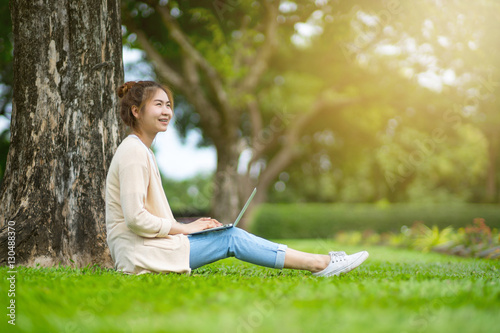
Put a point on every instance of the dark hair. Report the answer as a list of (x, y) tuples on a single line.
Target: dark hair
[(138, 93)]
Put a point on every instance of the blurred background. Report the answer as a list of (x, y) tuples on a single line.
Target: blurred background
[(369, 114)]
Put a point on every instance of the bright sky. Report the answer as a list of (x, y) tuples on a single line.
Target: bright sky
[(179, 161), (175, 160)]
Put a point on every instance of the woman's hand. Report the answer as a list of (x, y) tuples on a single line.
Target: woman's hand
[(198, 225), (202, 224)]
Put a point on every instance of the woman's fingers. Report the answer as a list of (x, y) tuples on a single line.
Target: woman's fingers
[(211, 220), (208, 222), (216, 223)]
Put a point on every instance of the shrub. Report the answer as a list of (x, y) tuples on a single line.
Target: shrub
[(476, 240), (325, 220), (477, 234), (425, 238)]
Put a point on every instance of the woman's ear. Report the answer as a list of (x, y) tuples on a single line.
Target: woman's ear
[(135, 111)]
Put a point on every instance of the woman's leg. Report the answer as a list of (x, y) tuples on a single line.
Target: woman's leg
[(234, 242), (306, 261)]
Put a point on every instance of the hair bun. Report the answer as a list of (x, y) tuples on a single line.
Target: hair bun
[(125, 88)]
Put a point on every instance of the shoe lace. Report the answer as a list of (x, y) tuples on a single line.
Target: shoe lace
[(337, 256)]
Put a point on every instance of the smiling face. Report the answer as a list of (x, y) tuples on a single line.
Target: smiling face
[(155, 115)]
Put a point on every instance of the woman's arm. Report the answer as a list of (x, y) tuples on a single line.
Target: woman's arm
[(134, 180), (198, 225), (133, 183)]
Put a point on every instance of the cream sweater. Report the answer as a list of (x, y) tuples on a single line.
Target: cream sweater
[(138, 216)]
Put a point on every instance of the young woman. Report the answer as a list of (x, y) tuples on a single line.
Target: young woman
[(143, 235)]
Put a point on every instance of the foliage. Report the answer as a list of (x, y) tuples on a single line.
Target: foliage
[(324, 220), (6, 57), (402, 140), (413, 292), (405, 141), (427, 238), (473, 240), (478, 233)]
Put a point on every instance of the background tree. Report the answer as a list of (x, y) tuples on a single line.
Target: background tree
[(217, 55), (341, 108), (64, 129), (423, 69)]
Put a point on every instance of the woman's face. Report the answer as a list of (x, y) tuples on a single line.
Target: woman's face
[(156, 115)]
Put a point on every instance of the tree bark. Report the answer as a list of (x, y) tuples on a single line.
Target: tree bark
[(226, 198), (64, 130)]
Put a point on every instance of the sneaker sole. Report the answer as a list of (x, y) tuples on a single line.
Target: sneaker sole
[(351, 267)]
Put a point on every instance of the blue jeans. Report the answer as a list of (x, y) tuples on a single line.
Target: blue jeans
[(234, 242)]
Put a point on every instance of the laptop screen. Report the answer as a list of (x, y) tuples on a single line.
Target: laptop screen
[(245, 207)]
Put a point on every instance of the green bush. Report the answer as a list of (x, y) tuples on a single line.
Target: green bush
[(324, 220), (475, 240)]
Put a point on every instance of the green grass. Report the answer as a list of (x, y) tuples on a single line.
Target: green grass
[(394, 291)]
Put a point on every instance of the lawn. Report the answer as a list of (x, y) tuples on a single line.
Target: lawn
[(394, 291)]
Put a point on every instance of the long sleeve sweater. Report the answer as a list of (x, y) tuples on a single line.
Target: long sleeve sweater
[(138, 216)]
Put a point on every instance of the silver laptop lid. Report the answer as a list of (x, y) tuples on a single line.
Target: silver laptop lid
[(244, 207)]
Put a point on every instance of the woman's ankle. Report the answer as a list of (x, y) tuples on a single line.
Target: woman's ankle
[(320, 262)]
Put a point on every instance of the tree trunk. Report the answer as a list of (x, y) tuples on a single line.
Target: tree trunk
[(226, 200), (64, 130)]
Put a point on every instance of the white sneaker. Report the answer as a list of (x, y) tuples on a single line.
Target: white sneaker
[(342, 263)]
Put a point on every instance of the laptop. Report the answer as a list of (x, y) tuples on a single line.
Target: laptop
[(227, 226)]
